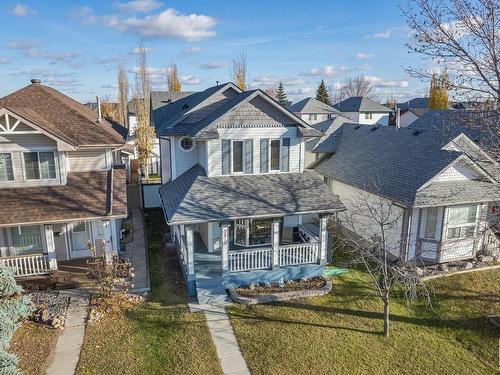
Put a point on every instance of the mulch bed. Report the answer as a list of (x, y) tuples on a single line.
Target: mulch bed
[(289, 286)]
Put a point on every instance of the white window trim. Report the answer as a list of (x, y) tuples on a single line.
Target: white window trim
[(56, 165), (13, 169), (242, 156), (453, 226), (182, 148), (368, 116)]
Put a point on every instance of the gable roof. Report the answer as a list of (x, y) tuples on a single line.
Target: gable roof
[(60, 115), (311, 105), (194, 198), (361, 104), (162, 98), (327, 127), (387, 161), (415, 103), (188, 116)]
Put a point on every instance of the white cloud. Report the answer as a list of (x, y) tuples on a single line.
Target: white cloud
[(272, 81), (189, 80), (31, 50), (21, 44), (4, 60), (304, 91), (142, 6), (113, 86), (364, 56), (191, 50), (214, 65), (84, 14), (386, 34), (137, 50), (167, 24), (328, 71), (21, 10), (379, 82)]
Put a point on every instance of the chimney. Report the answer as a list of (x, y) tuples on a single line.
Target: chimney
[(35, 81), (398, 118), (99, 116)]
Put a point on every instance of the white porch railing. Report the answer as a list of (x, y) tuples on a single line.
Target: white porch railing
[(250, 259), (491, 242), (302, 253), (28, 265)]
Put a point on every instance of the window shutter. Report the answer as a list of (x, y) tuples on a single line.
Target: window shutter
[(248, 162), (226, 156), (285, 155), (264, 155)]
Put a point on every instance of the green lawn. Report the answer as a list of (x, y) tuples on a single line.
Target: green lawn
[(159, 336), (341, 333)]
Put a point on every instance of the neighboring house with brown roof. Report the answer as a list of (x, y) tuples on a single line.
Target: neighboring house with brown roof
[(61, 185)]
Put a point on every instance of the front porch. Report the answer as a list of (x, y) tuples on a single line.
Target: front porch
[(302, 255)]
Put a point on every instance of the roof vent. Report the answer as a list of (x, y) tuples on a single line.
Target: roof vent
[(417, 132), (35, 81), (375, 128), (357, 127), (185, 106)]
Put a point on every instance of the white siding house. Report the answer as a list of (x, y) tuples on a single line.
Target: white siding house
[(364, 111)]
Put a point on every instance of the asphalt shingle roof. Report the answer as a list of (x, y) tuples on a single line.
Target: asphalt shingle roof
[(391, 162), (193, 197), (415, 103), (311, 105), (327, 127), (61, 116), (360, 104)]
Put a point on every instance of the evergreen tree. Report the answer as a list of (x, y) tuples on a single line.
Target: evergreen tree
[(13, 307), (281, 95), (322, 93)]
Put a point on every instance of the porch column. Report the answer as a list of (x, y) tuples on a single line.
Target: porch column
[(275, 241), (190, 249), (108, 246), (225, 246), (51, 247), (323, 238)]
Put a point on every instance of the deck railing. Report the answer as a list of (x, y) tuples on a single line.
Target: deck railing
[(250, 259), (302, 253), (28, 265)]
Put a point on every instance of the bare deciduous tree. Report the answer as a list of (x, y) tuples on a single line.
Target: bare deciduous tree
[(462, 36), (122, 96), (371, 234), (173, 82), (357, 86), (239, 71), (145, 133)]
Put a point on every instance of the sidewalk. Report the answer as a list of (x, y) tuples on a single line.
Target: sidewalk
[(69, 343), (136, 252)]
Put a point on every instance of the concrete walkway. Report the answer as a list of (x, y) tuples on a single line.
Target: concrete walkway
[(69, 343), (136, 252)]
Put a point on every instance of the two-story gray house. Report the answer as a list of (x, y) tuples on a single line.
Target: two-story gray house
[(59, 184), (240, 206)]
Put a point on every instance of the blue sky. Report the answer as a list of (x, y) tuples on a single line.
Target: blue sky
[(78, 46)]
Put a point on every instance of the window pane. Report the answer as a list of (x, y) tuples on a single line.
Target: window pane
[(453, 233), (6, 172), (461, 215), (47, 165), (238, 156), (275, 155), (31, 166), (430, 223), (260, 232), (27, 240)]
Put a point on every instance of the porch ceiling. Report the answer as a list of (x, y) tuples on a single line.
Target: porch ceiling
[(195, 198)]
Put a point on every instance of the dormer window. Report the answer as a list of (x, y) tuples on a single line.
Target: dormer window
[(39, 165), (6, 171), (368, 116), (186, 143)]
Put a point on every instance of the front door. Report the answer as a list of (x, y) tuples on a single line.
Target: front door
[(80, 237)]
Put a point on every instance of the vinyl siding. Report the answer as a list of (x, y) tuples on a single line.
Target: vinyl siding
[(86, 161), (458, 172), (26, 142), (183, 159), (215, 151), (202, 154)]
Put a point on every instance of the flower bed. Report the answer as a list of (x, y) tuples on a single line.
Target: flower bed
[(255, 294)]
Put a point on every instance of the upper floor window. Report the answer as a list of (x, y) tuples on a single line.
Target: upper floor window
[(368, 116), (39, 165), (237, 156), (6, 171), (275, 155), (313, 116), (186, 143)]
